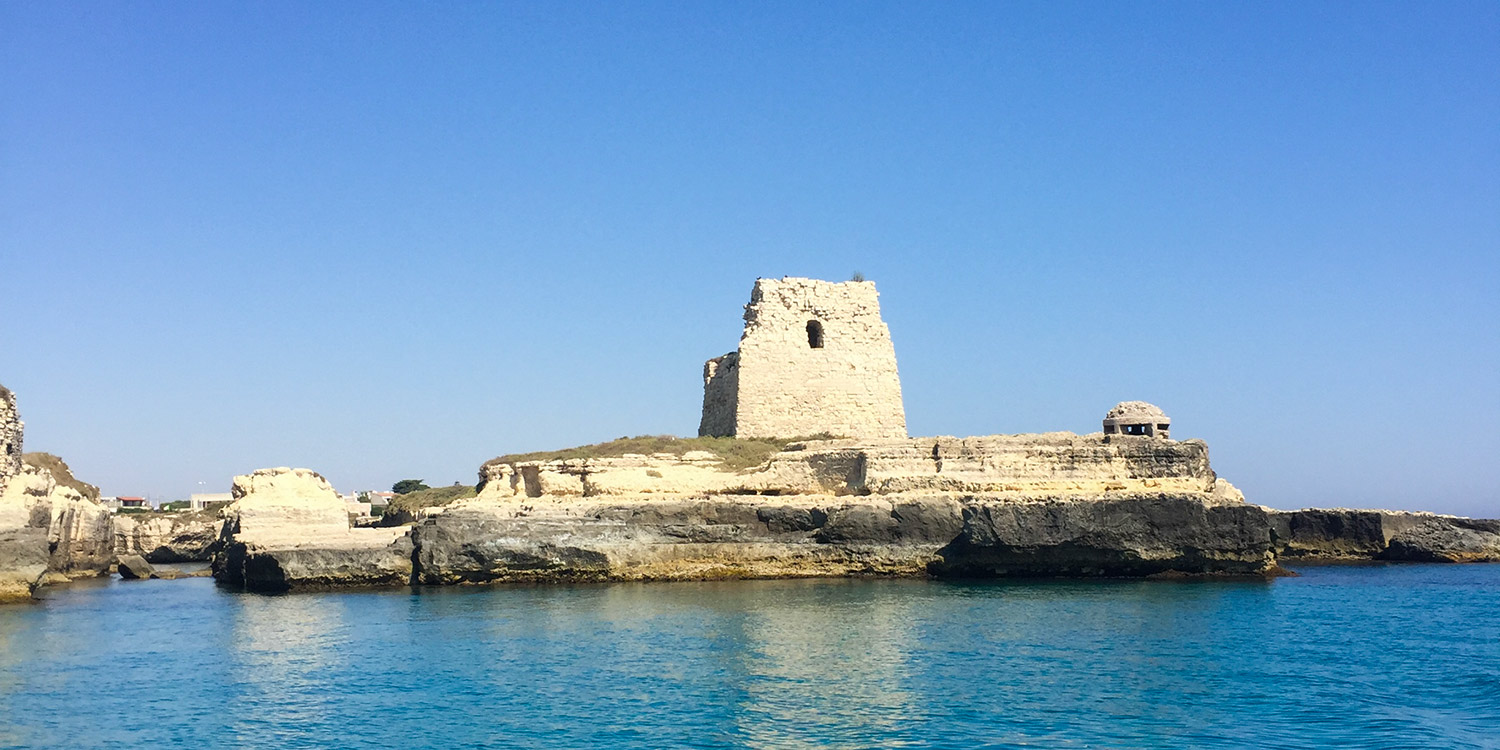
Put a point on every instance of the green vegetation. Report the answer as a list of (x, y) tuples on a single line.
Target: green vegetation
[(407, 486), (429, 497), (60, 473), (176, 505), (737, 454)]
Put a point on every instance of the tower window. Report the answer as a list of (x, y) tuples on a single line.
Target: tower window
[(815, 334)]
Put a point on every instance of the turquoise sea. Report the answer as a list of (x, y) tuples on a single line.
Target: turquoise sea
[(1347, 657)]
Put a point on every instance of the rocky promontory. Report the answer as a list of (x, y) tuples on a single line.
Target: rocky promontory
[(1026, 505), (287, 528), (49, 531)]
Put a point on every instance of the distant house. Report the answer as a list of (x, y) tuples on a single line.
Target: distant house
[(201, 500), (380, 499), (134, 502)]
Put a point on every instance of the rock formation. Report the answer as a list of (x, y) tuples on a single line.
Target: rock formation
[(50, 529), (40, 520), (168, 537), (815, 358), (288, 529), (1035, 505), (134, 567), (1341, 534)]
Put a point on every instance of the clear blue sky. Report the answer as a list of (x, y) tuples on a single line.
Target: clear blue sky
[(395, 240)]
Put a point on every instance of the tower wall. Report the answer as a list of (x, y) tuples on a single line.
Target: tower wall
[(815, 357), (10, 437)]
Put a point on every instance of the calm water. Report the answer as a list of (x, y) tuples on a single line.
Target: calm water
[(1367, 657)]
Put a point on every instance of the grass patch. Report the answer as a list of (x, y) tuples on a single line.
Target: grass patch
[(60, 473), (737, 454), (429, 498)]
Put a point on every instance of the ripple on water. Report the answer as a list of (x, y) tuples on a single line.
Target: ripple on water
[(1368, 657)]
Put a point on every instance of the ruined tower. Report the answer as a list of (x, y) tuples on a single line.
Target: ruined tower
[(815, 357), (10, 437)]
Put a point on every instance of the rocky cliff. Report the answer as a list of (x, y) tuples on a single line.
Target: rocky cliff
[(49, 532), (1020, 505), (1342, 534), (1037, 505), (288, 529), (168, 537)]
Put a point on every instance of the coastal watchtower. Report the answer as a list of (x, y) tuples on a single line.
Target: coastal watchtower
[(815, 357)]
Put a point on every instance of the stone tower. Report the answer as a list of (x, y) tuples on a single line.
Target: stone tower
[(815, 358), (10, 437)]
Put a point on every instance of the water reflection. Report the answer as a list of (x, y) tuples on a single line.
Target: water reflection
[(1367, 658), (281, 653)]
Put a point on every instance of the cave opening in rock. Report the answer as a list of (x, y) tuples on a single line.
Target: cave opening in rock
[(814, 334)]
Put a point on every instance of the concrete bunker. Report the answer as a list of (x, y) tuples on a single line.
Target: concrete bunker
[(1137, 418)]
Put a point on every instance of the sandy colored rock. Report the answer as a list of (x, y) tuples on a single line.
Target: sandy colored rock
[(287, 529), (78, 531), (1018, 466), (168, 537)]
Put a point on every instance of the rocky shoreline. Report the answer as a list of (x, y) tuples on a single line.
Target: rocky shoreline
[(1048, 505), (1087, 506)]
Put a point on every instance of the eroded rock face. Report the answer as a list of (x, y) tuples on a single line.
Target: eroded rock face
[(757, 537), (1338, 533), (287, 529), (168, 537), (73, 535), (1018, 466), (1132, 537), (1447, 539), (1343, 534), (681, 539)]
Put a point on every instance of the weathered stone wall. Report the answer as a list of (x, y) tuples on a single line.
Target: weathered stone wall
[(10, 437), (784, 386), (721, 394)]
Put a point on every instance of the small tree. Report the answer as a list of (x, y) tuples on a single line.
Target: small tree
[(407, 486), (857, 276)]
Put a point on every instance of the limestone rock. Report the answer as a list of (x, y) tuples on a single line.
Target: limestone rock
[(750, 536), (74, 534), (1138, 536), (23, 562), (1020, 466), (284, 507), (135, 567), (168, 537), (1447, 539), (287, 529), (1338, 533), (681, 539)]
